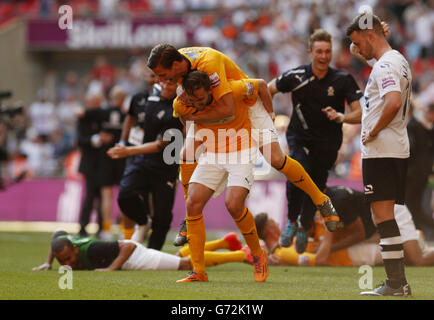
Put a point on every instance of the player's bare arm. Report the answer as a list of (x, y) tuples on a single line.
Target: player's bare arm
[(354, 116), (266, 97), (129, 122), (50, 257), (224, 108), (392, 104), (355, 234), (272, 87), (125, 251), (274, 260), (324, 249), (119, 151)]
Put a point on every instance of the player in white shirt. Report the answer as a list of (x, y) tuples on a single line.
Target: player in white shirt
[(385, 146)]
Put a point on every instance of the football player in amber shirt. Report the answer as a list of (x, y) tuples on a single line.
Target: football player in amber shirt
[(229, 137), (172, 65)]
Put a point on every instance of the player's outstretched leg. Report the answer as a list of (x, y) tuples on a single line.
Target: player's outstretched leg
[(329, 214), (298, 176)]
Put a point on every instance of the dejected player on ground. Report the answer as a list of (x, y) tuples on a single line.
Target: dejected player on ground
[(91, 254)]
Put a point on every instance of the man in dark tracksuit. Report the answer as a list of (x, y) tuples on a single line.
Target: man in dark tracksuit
[(109, 171), (148, 172), (319, 93), (89, 142), (132, 135)]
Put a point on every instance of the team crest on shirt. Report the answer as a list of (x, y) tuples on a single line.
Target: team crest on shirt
[(330, 91), (215, 80), (161, 114)]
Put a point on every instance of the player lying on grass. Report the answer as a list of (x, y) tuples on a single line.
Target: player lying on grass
[(349, 245), (92, 254)]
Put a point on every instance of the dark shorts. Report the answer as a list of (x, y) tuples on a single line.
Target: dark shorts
[(110, 171), (384, 179)]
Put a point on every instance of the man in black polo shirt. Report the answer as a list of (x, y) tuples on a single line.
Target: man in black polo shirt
[(148, 173), (319, 93), (132, 135)]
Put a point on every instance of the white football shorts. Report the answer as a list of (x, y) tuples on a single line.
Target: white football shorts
[(144, 258), (263, 130)]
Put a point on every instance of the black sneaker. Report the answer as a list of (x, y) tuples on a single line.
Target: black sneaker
[(385, 290), (181, 237)]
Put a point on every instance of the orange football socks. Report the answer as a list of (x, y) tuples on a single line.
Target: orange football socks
[(296, 174), (246, 224), (212, 245), (216, 258), (196, 240)]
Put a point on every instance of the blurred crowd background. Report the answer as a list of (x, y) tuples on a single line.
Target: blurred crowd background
[(264, 37)]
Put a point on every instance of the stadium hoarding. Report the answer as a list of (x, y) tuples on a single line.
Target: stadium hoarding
[(87, 34), (59, 200)]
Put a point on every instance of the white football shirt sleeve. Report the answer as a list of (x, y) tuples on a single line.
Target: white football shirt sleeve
[(388, 79)]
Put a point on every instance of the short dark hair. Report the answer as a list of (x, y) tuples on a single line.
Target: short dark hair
[(58, 244), (319, 35), (261, 220), (195, 80), (163, 55), (358, 25)]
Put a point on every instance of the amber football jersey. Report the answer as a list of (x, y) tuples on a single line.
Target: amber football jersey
[(219, 67), (234, 130)]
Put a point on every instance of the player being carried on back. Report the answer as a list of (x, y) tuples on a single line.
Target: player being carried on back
[(172, 65)]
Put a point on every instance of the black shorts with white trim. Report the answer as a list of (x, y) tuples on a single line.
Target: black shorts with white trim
[(384, 179)]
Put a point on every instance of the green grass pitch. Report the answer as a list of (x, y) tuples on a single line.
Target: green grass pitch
[(19, 252)]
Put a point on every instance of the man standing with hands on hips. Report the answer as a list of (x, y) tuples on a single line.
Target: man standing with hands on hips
[(385, 144)]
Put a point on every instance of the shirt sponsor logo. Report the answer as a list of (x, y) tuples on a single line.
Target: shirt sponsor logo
[(386, 82), (330, 91), (215, 80)]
